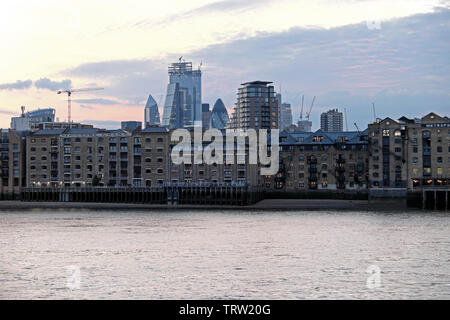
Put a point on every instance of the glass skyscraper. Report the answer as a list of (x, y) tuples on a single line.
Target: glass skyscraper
[(151, 113), (183, 105)]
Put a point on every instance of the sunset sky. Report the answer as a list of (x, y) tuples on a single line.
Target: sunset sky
[(348, 53)]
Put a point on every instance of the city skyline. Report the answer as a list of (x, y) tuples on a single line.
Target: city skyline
[(347, 62)]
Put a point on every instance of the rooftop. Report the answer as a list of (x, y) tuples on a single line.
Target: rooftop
[(256, 83)]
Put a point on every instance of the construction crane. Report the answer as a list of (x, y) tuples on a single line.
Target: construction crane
[(69, 94), (374, 114), (301, 111), (346, 124), (359, 132), (312, 103)]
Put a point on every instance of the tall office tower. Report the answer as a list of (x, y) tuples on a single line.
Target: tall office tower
[(206, 115), (219, 115), (183, 106), (332, 121), (151, 113), (256, 107), (285, 115)]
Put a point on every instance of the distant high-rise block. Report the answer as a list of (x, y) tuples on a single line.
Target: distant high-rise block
[(29, 120), (206, 115), (151, 113), (285, 116), (332, 121), (130, 125), (256, 107), (183, 105), (304, 126)]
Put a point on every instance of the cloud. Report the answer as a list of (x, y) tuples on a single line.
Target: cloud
[(45, 83), (128, 80), (114, 68), (18, 85), (86, 107), (228, 6), (97, 101), (403, 68), (7, 112), (106, 124)]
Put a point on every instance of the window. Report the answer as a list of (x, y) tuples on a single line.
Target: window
[(439, 159), (148, 140), (439, 148), (415, 171), (439, 171), (397, 133), (415, 149), (317, 138), (386, 133), (398, 150), (415, 159), (160, 140)]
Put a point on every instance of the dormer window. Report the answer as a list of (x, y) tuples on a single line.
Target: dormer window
[(317, 139)]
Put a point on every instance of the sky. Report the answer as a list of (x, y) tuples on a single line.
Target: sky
[(347, 53)]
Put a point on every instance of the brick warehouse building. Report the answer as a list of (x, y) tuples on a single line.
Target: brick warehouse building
[(403, 153)]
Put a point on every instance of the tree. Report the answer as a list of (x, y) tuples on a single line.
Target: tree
[(95, 181)]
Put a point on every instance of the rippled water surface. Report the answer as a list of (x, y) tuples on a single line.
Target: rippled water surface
[(223, 255)]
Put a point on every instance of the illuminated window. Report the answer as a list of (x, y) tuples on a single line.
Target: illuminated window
[(317, 138)]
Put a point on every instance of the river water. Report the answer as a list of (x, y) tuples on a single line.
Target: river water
[(73, 254)]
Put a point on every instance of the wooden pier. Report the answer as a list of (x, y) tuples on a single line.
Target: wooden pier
[(436, 198), (220, 195)]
